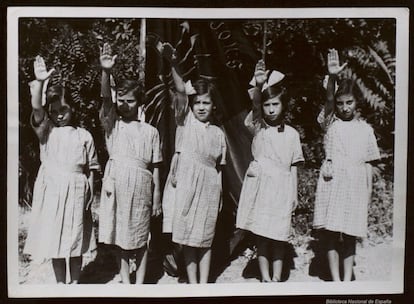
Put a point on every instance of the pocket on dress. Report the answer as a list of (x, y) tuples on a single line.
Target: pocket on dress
[(253, 170), (108, 189)]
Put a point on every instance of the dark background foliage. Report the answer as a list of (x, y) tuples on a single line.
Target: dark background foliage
[(297, 47)]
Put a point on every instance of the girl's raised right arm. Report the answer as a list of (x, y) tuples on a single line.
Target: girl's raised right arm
[(254, 117), (36, 88), (107, 62), (181, 100), (334, 68)]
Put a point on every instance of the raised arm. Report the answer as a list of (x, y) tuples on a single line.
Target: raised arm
[(36, 88), (260, 77), (334, 68), (181, 100), (256, 96), (107, 62)]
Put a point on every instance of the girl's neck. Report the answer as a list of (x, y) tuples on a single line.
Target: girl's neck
[(354, 118), (128, 120), (274, 123)]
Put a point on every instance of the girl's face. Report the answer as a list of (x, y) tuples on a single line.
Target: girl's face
[(60, 113), (272, 108), (345, 106), (127, 105), (202, 107)]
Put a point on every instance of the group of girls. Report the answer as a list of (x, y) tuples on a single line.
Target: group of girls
[(61, 225)]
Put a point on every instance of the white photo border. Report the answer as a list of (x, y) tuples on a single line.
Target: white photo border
[(396, 283)]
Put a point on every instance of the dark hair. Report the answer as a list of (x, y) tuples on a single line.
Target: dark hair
[(277, 90), (126, 85), (203, 86), (349, 86), (54, 93)]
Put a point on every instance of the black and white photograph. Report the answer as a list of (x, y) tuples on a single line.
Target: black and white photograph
[(206, 152)]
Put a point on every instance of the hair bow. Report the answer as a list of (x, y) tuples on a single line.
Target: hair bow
[(189, 89), (274, 78)]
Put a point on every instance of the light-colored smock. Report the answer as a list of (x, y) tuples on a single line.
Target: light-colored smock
[(60, 226), (341, 203), (168, 198), (198, 190), (268, 192), (126, 198)]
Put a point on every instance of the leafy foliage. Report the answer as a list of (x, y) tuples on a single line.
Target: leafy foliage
[(71, 46), (297, 47)]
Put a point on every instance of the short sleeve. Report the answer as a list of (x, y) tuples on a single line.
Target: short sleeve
[(372, 148), (93, 163), (108, 121), (223, 149), (43, 128), (156, 150), (297, 150), (252, 125)]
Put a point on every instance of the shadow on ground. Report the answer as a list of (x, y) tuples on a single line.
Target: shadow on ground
[(104, 267), (319, 266), (252, 268)]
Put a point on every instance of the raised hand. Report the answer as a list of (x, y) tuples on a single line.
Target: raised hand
[(334, 67), (40, 71), (106, 58), (169, 52), (260, 73)]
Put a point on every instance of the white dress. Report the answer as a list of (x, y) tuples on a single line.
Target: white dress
[(60, 226), (268, 192), (198, 190), (341, 203), (126, 197)]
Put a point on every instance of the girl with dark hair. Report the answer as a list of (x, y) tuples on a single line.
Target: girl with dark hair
[(202, 151), (269, 193), (130, 189), (345, 181), (61, 226)]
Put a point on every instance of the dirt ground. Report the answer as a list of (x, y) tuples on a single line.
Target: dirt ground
[(302, 265)]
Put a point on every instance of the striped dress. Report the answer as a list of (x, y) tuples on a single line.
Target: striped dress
[(341, 203), (126, 197)]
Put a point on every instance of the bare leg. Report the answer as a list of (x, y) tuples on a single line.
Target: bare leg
[(348, 267), (332, 253), (262, 256), (75, 265), (349, 254), (190, 259), (123, 256), (141, 260), (205, 260), (278, 253), (59, 267), (333, 258)]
